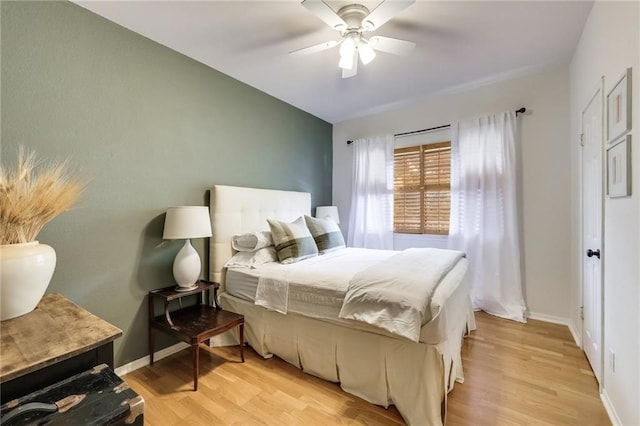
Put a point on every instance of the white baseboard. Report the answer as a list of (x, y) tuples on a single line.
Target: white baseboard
[(577, 337), (558, 320), (611, 411), (145, 360), (608, 405), (229, 338)]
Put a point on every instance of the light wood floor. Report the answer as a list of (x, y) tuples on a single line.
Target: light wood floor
[(515, 374)]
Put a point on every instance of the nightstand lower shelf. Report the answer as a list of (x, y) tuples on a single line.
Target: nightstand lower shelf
[(194, 325)]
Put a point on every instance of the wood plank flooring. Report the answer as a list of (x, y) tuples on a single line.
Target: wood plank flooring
[(515, 374)]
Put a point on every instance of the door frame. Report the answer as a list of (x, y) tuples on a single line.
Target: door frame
[(598, 92)]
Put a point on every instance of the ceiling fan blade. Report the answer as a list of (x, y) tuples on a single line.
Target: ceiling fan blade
[(315, 48), (324, 12), (346, 73), (385, 11), (392, 45)]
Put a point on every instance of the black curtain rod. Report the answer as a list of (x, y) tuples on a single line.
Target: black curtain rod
[(423, 130), (518, 111)]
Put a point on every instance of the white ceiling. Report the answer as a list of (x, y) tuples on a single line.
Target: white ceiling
[(458, 43)]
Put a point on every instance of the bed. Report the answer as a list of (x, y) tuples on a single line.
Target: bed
[(372, 363)]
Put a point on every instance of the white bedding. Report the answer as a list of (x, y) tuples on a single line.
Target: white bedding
[(321, 279), (322, 298), (397, 293)]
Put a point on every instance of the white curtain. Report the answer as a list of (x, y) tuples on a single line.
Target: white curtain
[(484, 220), (371, 215)]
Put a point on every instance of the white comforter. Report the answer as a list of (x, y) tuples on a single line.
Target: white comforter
[(400, 284), (327, 275), (396, 293)]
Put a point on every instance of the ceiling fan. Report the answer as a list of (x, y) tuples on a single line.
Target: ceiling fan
[(352, 21)]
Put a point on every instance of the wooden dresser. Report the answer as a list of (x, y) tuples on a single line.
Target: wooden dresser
[(57, 340)]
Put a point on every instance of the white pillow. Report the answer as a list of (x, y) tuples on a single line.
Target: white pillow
[(251, 259), (251, 241)]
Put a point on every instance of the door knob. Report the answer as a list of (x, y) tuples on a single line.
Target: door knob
[(591, 253)]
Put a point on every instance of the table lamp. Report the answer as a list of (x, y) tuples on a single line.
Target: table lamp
[(187, 222), (331, 212)]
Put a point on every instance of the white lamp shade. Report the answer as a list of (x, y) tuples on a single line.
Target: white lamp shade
[(331, 212), (367, 54), (348, 46), (187, 222), (347, 53), (346, 62)]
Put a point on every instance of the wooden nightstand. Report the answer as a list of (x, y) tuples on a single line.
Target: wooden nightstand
[(193, 324)]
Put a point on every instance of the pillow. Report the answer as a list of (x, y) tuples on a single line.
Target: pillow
[(251, 241), (293, 240), (326, 234), (251, 259)]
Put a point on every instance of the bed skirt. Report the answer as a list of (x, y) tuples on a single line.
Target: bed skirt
[(383, 370)]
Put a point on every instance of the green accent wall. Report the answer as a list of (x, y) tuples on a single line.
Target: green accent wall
[(149, 128)]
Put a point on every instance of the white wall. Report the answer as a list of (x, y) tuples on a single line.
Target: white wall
[(609, 44), (545, 171)]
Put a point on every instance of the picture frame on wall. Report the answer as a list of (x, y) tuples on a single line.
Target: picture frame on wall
[(619, 168), (619, 107)]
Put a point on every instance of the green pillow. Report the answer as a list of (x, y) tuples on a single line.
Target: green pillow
[(326, 234), (293, 240)]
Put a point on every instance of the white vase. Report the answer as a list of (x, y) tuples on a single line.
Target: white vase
[(25, 272)]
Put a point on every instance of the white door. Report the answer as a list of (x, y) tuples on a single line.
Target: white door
[(592, 179)]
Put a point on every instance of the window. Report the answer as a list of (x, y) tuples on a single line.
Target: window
[(422, 188)]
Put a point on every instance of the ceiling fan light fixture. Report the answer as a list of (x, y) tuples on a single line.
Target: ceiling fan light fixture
[(352, 21), (366, 52), (347, 51), (346, 62), (348, 46)]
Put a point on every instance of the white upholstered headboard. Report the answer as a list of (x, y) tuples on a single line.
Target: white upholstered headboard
[(235, 210)]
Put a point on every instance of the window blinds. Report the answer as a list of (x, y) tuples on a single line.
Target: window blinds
[(422, 176)]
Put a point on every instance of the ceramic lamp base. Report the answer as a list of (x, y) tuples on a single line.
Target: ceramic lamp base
[(193, 287), (186, 267)]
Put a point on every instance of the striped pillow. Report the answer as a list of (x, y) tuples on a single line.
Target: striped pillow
[(326, 234), (293, 240)]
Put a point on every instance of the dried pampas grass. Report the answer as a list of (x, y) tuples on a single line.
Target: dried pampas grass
[(30, 199)]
